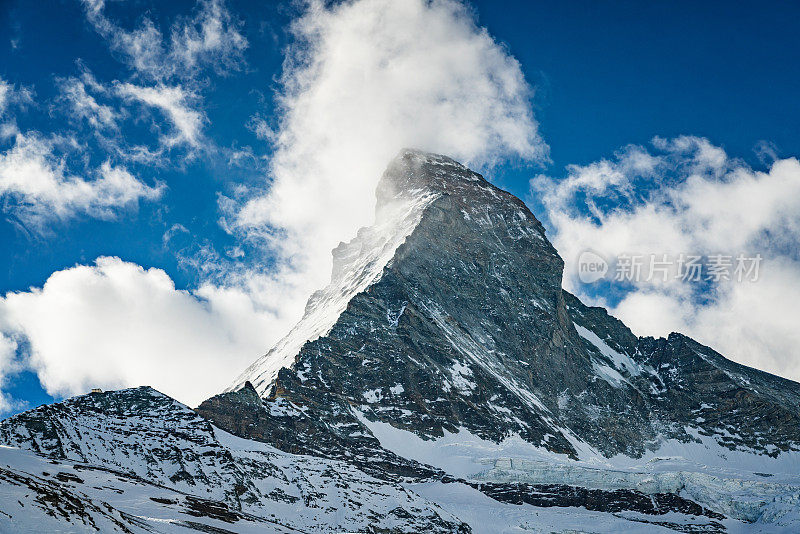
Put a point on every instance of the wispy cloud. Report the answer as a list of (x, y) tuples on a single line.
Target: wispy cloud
[(83, 105), (5, 89), (37, 188), (173, 102), (13, 95), (212, 37), (685, 195), (168, 73), (209, 38)]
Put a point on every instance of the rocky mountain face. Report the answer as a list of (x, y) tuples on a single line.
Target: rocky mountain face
[(443, 381), (467, 327)]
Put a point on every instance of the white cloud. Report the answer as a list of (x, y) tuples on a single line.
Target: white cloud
[(8, 348), (115, 324), (83, 105), (37, 187), (11, 94), (8, 361), (211, 37), (688, 196), (363, 80), (5, 90), (757, 323), (142, 47), (751, 323), (8, 366), (173, 102)]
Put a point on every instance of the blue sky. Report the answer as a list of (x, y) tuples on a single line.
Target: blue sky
[(194, 120)]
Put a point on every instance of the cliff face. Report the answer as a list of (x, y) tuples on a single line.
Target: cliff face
[(463, 359)]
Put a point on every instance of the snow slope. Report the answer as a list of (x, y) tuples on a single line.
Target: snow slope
[(121, 458)]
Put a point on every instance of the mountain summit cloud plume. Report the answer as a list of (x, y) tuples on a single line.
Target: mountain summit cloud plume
[(362, 80)]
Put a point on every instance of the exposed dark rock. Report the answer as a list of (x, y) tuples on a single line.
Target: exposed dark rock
[(549, 495)]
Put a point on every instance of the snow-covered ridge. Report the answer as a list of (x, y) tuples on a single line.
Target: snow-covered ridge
[(356, 265), (618, 365), (138, 461)]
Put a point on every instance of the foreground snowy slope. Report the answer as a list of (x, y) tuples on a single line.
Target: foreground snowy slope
[(137, 459), (443, 382)]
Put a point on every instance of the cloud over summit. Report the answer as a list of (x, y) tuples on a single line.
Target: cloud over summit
[(362, 80)]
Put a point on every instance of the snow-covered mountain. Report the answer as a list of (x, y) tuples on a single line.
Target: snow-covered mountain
[(137, 460), (443, 381)]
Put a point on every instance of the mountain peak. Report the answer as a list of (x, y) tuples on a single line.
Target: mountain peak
[(416, 186), (414, 170), (449, 313)]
